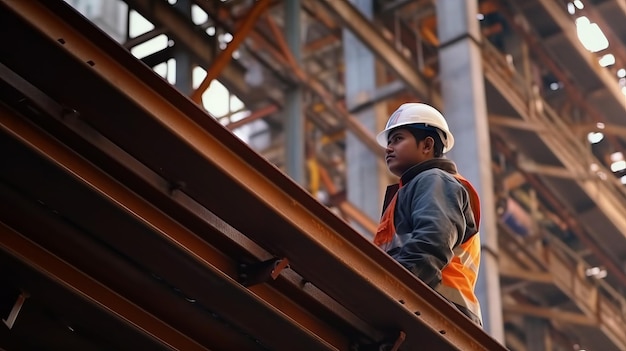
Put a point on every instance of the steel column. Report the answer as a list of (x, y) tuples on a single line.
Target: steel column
[(293, 113), (364, 174)]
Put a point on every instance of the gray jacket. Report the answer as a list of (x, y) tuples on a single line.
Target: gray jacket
[(432, 217)]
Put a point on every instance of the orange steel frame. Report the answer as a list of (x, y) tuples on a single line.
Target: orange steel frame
[(223, 174)]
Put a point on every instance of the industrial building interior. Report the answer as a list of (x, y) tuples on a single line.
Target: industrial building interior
[(148, 147)]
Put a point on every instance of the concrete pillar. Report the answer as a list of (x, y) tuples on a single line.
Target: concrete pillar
[(463, 94), (294, 116), (184, 64), (364, 190)]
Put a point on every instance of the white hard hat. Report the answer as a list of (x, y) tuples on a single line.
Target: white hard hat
[(420, 114)]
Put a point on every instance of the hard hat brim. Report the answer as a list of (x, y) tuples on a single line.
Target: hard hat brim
[(448, 141)]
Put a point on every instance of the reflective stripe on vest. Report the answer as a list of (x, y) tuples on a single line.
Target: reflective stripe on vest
[(458, 278)]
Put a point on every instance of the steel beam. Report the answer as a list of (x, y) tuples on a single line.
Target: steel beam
[(516, 123), (255, 115), (170, 199), (125, 276), (549, 313), (191, 245), (280, 216), (85, 287)]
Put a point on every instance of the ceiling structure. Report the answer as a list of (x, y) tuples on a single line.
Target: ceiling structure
[(562, 230)]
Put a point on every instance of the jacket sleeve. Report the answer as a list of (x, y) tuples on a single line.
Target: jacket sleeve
[(435, 212)]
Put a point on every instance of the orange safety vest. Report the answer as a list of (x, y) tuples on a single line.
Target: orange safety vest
[(460, 275)]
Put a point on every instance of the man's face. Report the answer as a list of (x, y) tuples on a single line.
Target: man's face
[(403, 152)]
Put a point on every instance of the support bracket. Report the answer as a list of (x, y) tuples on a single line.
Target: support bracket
[(252, 274), (15, 310)]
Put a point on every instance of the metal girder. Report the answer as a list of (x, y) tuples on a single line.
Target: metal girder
[(280, 216), (125, 276), (222, 297), (170, 199), (551, 171), (372, 38), (516, 123), (549, 313), (255, 115), (531, 276), (91, 290)]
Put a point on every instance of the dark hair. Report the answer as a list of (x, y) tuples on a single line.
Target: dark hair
[(420, 134)]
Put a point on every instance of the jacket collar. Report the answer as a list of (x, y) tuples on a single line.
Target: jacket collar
[(441, 163)]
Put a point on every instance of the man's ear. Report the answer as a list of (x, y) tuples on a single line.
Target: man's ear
[(429, 144)]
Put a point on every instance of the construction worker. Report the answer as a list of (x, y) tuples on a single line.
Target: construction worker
[(430, 219)]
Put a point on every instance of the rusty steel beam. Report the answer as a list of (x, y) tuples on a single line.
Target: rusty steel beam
[(280, 215), (516, 123), (298, 323), (50, 231), (88, 289), (255, 115), (169, 198), (222, 59)]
